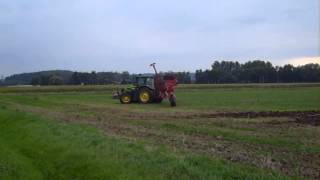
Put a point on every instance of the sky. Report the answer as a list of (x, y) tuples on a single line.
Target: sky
[(128, 35)]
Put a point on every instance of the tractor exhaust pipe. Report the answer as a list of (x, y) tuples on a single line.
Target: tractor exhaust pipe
[(154, 68)]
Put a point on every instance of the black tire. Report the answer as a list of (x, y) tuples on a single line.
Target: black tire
[(173, 101), (125, 98), (145, 95)]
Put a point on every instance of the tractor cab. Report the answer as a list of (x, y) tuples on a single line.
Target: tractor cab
[(145, 80)]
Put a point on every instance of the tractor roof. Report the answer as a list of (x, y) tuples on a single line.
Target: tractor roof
[(145, 76)]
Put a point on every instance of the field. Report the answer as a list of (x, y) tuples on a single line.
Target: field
[(216, 132)]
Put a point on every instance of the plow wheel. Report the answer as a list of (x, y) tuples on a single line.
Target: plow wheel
[(173, 101), (145, 95)]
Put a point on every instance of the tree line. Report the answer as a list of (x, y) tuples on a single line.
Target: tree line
[(220, 72), (117, 78), (257, 72), (100, 78), (82, 78), (62, 77)]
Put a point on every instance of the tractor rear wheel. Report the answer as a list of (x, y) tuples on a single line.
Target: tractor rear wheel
[(125, 98), (145, 95), (173, 101)]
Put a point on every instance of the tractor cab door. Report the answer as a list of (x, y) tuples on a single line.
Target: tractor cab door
[(150, 82)]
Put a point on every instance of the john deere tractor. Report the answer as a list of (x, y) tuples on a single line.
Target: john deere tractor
[(150, 89)]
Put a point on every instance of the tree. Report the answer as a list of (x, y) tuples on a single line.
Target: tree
[(55, 80), (183, 77), (44, 80), (225, 72), (75, 79), (287, 73), (309, 73), (35, 81), (125, 77), (93, 78), (257, 72)]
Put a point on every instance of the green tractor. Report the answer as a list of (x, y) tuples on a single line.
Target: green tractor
[(150, 89)]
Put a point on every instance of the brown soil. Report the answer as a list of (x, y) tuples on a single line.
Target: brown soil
[(302, 117)]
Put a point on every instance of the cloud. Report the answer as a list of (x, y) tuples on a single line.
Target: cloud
[(302, 61), (251, 20), (128, 35)]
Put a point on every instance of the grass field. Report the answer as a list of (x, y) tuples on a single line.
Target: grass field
[(80, 132)]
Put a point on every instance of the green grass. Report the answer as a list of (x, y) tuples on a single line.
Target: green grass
[(97, 88), (252, 99), (147, 141), (217, 99), (236, 135), (32, 147)]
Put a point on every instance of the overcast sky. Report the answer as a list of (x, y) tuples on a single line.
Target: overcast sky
[(119, 35)]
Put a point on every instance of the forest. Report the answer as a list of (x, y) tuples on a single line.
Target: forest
[(220, 72)]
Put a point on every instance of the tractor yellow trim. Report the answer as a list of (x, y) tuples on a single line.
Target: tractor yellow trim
[(144, 96), (126, 98)]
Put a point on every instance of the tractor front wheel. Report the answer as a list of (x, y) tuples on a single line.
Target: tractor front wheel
[(125, 98), (145, 95)]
